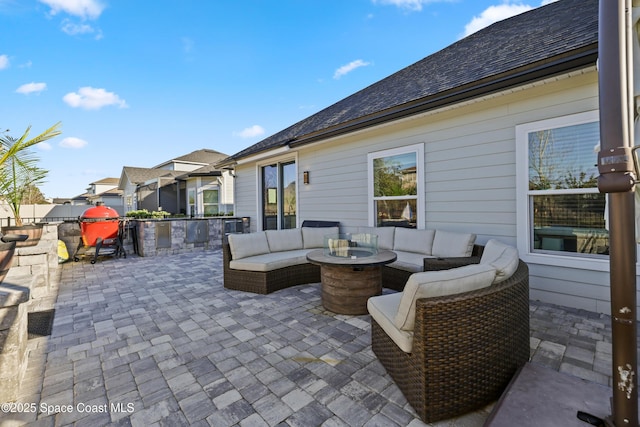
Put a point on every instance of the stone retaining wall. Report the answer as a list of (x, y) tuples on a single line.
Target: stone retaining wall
[(29, 285)]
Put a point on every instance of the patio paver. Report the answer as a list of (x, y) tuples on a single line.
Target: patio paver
[(159, 341)]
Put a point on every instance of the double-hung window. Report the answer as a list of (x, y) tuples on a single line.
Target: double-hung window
[(396, 187), (561, 211)]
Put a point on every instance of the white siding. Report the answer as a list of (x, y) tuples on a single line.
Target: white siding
[(227, 188), (470, 176)]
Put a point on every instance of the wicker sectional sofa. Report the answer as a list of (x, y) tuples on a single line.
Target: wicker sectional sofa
[(267, 261), (455, 336)]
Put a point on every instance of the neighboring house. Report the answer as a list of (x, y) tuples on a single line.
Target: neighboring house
[(151, 189), (105, 191), (500, 128), (79, 200), (209, 191), (187, 184)]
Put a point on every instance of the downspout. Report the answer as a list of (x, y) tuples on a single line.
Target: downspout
[(617, 180)]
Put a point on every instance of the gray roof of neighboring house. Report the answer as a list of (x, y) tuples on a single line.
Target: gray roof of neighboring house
[(203, 156), (112, 192), (141, 175), (546, 41), (208, 170), (107, 181)]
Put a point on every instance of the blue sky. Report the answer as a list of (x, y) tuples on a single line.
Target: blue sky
[(138, 82)]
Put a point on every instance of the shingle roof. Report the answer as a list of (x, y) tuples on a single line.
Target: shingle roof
[(208, 170), (107, 181), (140, 175), (545, 41), (203, 156)]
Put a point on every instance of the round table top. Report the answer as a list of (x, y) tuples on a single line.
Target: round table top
[(382, 257)]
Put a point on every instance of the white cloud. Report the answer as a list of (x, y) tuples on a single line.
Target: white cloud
[(85, 9), (415, 5), (345, 69), (73, 142), (31, 88), (250, 132), (73, 29), (494, 14), (44, 146), (91, 98), (4, 62)]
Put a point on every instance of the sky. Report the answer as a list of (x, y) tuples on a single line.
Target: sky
[(139, 82)]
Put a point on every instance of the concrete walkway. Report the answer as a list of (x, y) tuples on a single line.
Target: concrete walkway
[(159, 341)]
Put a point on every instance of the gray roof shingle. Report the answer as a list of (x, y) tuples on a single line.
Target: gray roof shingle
[(203, 156), (141, 175), (545, 41)]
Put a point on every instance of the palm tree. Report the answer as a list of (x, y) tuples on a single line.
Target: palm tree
[(18, 167)]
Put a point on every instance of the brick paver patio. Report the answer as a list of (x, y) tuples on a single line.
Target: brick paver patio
[(159, 341)]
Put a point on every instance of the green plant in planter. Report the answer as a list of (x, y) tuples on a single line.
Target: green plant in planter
[(160, 214), (138, 214), (19, 171), (144, 213)]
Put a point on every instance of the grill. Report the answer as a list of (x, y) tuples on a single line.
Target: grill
[(101, 233)]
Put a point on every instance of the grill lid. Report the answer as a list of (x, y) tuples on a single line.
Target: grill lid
[(99, 212)]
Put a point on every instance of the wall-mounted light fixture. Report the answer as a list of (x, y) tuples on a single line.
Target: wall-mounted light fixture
[(305, 177)]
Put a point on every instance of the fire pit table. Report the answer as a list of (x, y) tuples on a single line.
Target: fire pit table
[(350, 272)]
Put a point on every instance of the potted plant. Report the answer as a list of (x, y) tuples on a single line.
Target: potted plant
[(19, 175)]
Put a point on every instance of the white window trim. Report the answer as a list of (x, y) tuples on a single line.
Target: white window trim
[(258, 171), (522, 196), (419, 150)]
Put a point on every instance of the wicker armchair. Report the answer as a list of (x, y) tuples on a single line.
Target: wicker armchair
[(466, 348)]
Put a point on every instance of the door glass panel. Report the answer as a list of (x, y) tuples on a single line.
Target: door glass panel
[(270, 197), (289, 195)]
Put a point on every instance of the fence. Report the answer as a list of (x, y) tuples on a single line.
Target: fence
[(45, 213)]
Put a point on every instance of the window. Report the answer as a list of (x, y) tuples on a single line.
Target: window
[(191, 201), (211, 201), (396, 187), (565, 212), (279, 205)]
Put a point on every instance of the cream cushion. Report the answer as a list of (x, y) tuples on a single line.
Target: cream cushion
[(271, 261), (409, 261), (385, 235), (313, 237), (451, 244), (284, 240), (383, 309), (412, 240), (431, 284), (502, 257), (246, 245)]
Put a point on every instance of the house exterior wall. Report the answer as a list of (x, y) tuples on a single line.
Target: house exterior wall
[(180, 166), (224, 184), (226, 191), (469, 178)]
